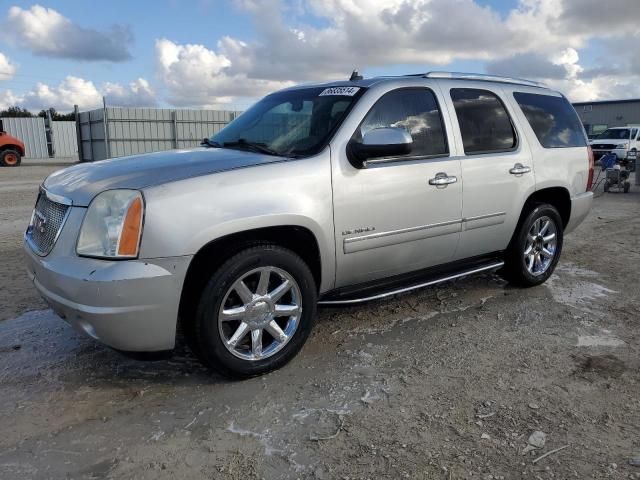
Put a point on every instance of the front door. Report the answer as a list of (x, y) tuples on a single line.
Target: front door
[(394, 215)]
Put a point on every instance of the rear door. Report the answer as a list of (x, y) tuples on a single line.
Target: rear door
[(496, 165)]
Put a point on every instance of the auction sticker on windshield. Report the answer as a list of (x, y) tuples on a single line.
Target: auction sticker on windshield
[(346, 91)]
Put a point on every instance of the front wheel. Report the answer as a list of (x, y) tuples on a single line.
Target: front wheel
[(256, 312), (535, 248)]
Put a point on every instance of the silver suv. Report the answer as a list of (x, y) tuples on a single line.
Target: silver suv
[(325, 194)]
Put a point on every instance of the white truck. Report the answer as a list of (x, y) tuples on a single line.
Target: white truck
[(624, 142)]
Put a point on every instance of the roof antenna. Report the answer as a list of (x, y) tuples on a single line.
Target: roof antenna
[(355, 76)]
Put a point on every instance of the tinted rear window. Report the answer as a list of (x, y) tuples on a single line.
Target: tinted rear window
[(484, 122), (553, 120)]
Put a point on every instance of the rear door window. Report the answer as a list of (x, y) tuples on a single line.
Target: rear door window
[(484, 122), (553, 120)]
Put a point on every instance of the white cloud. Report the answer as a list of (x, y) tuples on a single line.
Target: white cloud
[(8, 99), (71, 91), (139, 94), (7, 68), (78, 91), (537, 39), (46, 32), (562, 71), (197, 76)]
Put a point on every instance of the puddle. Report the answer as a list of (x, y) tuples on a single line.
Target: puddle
[(578, 293), (576, 271), (599, 341)]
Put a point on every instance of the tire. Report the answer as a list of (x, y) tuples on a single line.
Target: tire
[(212, 336), (627, 186), (518, 268), (10, 158), (606, 185)]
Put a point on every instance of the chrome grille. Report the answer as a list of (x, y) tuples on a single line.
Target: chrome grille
[(46, 223)]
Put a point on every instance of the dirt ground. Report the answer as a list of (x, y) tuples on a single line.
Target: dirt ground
[(447, 383)]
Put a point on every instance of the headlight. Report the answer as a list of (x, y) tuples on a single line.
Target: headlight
[(112, 225), (622, 145)]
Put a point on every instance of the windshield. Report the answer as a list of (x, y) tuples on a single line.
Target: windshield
[(616, 133), (291, 123)]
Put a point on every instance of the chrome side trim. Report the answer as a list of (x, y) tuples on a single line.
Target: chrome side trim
[(481, 217), (481, 221), (356, 244), (491, 266), (56, 198)]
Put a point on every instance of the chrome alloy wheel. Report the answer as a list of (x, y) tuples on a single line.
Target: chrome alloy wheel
[(260, 313), (540, 246)]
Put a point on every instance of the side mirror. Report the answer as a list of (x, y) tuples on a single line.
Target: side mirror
[(381, 142)]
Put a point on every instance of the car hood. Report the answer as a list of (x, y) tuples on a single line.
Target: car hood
[(80, 183)]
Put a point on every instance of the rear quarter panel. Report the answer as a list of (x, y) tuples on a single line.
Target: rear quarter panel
[(553, 167)]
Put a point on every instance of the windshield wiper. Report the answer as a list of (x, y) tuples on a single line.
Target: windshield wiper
[(256, 147), (210, 143)]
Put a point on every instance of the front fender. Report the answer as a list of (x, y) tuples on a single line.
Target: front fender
[(182, 217)]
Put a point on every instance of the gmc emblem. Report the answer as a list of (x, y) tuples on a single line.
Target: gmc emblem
[(39, 221)]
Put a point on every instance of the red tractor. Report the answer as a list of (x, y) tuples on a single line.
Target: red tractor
[(11, 150)]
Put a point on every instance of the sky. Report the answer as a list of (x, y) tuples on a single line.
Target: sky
[(227, 54)]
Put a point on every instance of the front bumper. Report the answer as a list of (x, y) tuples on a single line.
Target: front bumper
[(129, 305), (580, 206)]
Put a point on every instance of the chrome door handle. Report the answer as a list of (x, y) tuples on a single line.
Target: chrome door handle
[(519, 169), (442, 180)]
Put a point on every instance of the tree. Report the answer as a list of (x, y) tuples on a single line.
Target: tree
[(57, 116), (15, 112)]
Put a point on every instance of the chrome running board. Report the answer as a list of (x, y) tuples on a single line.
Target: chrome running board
[(492, 266)]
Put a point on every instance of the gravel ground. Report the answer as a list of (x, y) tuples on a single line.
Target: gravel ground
[(451, 382)]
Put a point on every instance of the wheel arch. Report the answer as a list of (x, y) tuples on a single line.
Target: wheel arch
[(559, 197), (12, 146), (207, 259)]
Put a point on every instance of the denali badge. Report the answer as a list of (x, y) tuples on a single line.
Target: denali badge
[(358, 230)]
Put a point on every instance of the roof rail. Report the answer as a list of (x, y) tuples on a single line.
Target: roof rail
[(486, 78)]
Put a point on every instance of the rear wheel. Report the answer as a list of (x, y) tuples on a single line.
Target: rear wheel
[(256, 312), (535, 248), (10, 158)]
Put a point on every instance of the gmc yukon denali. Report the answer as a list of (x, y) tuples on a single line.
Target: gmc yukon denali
[(326, 194)]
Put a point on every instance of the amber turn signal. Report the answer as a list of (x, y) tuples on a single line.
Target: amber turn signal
[(130, 236)]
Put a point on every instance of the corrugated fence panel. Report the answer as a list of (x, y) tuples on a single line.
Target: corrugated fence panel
[(92, 134), (32, 133), (65, 140), (132, 131)]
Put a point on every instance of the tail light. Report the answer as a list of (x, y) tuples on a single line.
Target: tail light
[(591, 163)]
